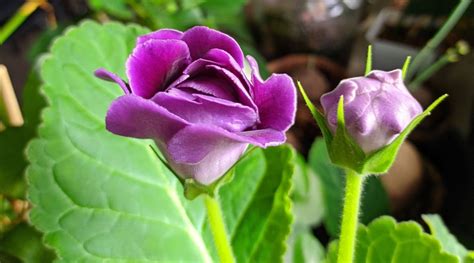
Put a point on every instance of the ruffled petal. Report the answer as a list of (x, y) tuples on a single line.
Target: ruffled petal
[(109, 76), (276, 101), (160, 34), (209, 110), (211, 85), (155, 63), (256, 78), (201, 39), (241, 91), (134, 116)]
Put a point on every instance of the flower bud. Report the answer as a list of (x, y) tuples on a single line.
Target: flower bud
[(377, 108)]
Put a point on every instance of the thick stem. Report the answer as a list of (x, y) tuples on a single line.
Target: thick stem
[(216, 221), (350, 217)]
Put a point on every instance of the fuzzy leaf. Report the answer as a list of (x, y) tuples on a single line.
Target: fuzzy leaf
[(385, 240), (447, 240)]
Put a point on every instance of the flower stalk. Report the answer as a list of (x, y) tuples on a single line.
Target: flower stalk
[(433, 43), (350, 216), (219, 233)]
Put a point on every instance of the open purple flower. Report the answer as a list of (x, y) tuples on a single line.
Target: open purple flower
[(187, 91), (377, 108)]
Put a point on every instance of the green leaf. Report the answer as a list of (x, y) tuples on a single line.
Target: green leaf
[(261, 204), (374, 201), (307, 248), (116, 8), (343, 150), (406, 65), (101, 197), (385, 240), (23, 243), (368, 63), (448, 241), (13, 140), (308, 205)]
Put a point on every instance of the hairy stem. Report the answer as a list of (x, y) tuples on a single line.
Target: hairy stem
[(350, 217)]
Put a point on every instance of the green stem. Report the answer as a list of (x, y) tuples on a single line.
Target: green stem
[(427, 73), (17, 19), (439, 37), (224, 249), (350, 216)]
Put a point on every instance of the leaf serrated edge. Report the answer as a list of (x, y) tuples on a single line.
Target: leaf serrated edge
[(331, 256)]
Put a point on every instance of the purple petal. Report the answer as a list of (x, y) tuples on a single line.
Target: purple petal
[(206, 153), (203, 154), (242, 93), (377, 108), (276, 101), (201, 39), (211, 85), (134, 116), (264, 138), (155, 63), (109, 76), (209, 110), (255, 71), (182, 147), (223, 59), (160, 34), (391, 77)]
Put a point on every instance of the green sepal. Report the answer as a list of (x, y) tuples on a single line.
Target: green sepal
[(344, 150), (193, 189), (317, 115)]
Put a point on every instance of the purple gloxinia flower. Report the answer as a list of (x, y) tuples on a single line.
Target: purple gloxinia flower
[(187, 91), (377, 108)]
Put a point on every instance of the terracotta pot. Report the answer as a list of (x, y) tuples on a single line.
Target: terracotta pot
[(317, 75)]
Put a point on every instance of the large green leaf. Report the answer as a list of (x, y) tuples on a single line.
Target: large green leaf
[(98, 196), (374, 201), (385, 240), (23, 244), (13, 140), (448, 241), (257, 206)]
